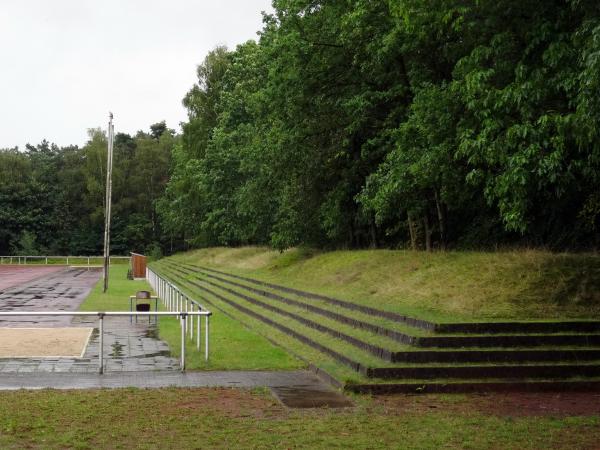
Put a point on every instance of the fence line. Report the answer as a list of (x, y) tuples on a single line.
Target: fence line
[(22, 259), (174, 299)]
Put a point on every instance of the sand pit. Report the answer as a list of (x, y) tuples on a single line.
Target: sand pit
[(43, 342)]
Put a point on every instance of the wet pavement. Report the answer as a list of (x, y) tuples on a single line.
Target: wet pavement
[(61, 290), (295, 389), (127, 346), (133, 355), (12, 275)]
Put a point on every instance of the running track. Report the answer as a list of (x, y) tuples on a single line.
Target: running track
[(13, 275)]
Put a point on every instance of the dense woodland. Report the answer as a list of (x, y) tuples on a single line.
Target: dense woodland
[(400, 123)]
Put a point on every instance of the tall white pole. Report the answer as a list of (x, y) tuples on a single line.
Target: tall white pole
[(109, 159)]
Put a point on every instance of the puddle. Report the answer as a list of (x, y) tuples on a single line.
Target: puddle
[(302, 397), (152, 333), (117, 349)]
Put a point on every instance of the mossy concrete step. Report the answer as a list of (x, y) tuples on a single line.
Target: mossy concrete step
[(397, 335), (511, 371), (334, 354), (411, 321), (512, 355), (510, 340), (448, 341), (548, 327), (470, 386)]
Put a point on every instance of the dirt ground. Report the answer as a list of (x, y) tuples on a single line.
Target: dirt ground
[(513, 404), (43, 342)]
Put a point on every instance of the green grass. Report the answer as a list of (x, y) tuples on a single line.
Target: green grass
[(234, 418), (117, 296), (321, 360), (440, 286), (232, 346)]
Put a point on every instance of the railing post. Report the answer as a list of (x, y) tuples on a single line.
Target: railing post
[(198, 330), (183, 319), (206, 338), (189, 307), (101, 345)]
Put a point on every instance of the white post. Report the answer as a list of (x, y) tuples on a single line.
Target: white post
[(198, 331), (101, 344), (206, 339), (182, 320)]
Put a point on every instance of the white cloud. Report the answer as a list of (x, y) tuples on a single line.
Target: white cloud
[(66, 63)]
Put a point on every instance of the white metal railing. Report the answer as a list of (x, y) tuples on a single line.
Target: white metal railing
[(183, 315), (175, 300), (22, 259)]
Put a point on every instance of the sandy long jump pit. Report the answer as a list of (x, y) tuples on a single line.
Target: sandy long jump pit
[(44, 342)]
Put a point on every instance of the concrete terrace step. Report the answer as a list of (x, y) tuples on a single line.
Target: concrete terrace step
[(514, 364), (518, 371), (450, 356), (494, 355), (471, 386), (547, 327), (447, 341), (403, 335), (411, 321)]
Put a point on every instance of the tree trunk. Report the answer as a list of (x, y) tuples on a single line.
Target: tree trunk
[(413, 232), (441, 219), (427, 232), (373, 231)]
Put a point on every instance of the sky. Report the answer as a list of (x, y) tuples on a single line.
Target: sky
[(66, 63)]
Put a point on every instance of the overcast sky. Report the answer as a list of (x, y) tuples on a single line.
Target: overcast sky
[(66, 63)]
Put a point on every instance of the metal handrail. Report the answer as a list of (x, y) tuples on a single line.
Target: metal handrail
[(101, 314), (175, 299)]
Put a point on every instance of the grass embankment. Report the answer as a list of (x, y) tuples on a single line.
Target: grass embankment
[(438, 286), (233, 346), (234, 418)]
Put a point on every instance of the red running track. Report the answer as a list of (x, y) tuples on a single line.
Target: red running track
[(13, 275)]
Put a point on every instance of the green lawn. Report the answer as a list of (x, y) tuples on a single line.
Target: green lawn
[(117, 296), (235, 418), (232, 346), (440, 286)]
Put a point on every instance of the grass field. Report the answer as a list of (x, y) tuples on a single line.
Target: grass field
[(438, 286), (235, 418), (233, 346)]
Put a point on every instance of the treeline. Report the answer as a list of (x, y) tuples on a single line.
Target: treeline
[(396, 123), (400, 123), (52, 199)]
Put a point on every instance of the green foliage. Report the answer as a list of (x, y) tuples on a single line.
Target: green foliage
[(52, 199), (382, 123)]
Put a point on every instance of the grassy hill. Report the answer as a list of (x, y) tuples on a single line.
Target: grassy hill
[(440, 286)]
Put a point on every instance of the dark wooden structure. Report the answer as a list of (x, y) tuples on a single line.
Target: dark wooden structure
[(138, 265)]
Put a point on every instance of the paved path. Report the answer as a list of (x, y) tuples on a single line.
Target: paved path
[(297, 389), (134, 356), (12, 275), (127, 346)]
